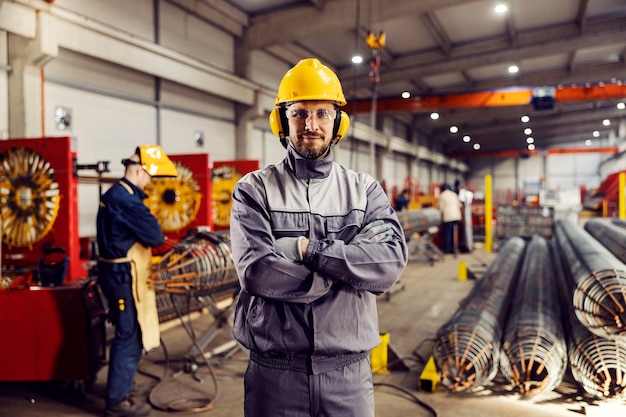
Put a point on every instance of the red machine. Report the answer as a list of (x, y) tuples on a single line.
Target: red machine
[(183, 203), (56, 332), (38, 203), (225, 174)]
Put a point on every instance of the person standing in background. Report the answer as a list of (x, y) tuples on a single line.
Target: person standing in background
[(313, 243), (450, 208), (402, 200), (126, 232)]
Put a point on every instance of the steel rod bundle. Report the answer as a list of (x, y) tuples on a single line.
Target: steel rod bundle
[(611, 236), (200, 264), (419, 221), (467, 347), (598, 363), (534, 353), (599, 293)]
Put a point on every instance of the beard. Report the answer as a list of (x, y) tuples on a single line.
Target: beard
[(308, 151)]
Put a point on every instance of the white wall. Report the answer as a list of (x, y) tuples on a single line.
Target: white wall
[(4, 87)]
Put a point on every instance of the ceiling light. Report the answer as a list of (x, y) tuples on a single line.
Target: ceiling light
[(513, 69), (606, 122), (476, 146), (466, 138), (406, 94), (454, 129), (531, 147), (588, 142), (621, 106), (528, 131), (525, 119), (357, 59), (530, 140), (434, 115), (501, 8), (596, 134)]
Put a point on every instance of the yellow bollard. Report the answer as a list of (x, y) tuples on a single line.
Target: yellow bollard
[(462, 271)]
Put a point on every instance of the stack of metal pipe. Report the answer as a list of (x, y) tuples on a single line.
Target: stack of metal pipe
[(534, 353), (467, 347), (599, 294), (597, 363)]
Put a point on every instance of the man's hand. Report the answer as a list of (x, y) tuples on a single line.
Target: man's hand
[(376, 232), (290, 248)]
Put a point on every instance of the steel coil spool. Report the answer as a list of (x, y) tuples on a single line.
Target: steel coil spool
[(419, 221), (599, 294), (467, 347), (201, 263), (610, 235), (29, 197), (597, 363), (534, 353), (174, 201)]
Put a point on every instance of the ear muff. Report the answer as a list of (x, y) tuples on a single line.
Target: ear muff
[(341, 126), (279, 124)]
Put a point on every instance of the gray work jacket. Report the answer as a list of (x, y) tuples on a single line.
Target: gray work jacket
[(326, 304)]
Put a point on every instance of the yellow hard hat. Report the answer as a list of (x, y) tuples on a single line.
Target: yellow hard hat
[(155, 161), (310, 80)]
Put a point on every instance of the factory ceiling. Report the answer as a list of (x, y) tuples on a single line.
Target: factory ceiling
[(454, 57)]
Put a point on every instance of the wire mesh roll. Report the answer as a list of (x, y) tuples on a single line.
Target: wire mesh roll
[(598, 364), (611, 236), (534, 353), (419, 221), (467, 347), (201, 263), (599, 294)]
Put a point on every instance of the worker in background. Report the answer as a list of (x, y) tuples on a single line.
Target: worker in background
[(450, 207), (126, 232), (313, 243), (402, 200)]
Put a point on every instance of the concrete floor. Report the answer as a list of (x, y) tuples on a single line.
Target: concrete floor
[(410, 316)]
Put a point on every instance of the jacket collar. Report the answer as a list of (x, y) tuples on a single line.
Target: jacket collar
[(133, 189), (307, 169)]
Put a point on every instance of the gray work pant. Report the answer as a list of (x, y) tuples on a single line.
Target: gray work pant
[(345, 391)]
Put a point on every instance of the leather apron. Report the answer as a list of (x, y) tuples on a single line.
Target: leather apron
[(144, 295)]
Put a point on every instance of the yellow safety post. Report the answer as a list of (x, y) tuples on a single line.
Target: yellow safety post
[(462, 271), (622, 202), (429, 376), (488, 214)]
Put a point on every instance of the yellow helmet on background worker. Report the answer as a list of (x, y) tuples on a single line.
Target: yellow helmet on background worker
[(309, 80), (154, 161)]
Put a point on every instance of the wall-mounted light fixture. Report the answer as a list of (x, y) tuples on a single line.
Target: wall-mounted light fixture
[(198, 136), (62, 118)]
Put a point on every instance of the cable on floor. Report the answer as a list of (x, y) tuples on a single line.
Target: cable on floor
[(189, 405), (412, 396)]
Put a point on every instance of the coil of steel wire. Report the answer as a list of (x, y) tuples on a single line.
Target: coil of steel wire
[(599, 294), (619, 222), (534, 353), (611, 236), (597, 363), (419, 221), (467, 347), (200, 264)]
